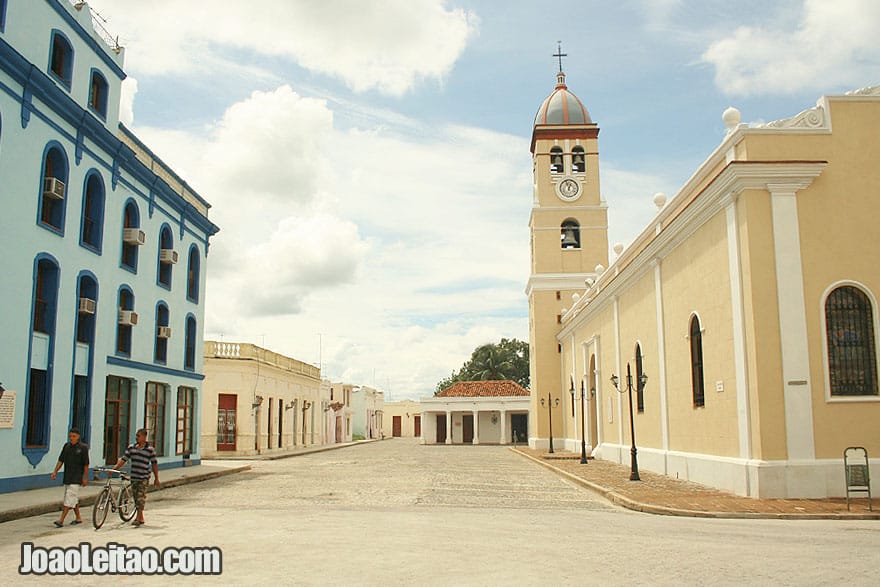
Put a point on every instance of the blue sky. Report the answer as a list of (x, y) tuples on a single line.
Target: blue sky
[(368, 161)]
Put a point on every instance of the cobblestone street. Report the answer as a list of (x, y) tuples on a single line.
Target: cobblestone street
[(395, 512)]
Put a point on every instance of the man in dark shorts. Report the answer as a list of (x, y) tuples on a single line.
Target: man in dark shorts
[(74, 458), (143, 457)]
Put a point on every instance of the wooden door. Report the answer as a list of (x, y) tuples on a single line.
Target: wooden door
[(226, 421), (117, 410), (418, 426), (467, 428), (441, 428), (396, 426)]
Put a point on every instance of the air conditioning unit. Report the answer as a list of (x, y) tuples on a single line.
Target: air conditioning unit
[(134, 236), (164, 332), (86, 306), (168, 256), (53, 188), (128, 317)]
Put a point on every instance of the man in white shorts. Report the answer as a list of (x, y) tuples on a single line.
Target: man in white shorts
[(74, 458)]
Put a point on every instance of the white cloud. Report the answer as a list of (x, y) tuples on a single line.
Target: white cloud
[(835, 44), (128, 92), (386, 46)]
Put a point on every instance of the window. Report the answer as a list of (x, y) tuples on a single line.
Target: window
[(696, 340), (556, 164), (127, 317), (192, 275), (132, 237), (852, 355), (53, 188), (98, 90), (167, 257), (86, 304), (571, 234), (154, 415), (640, 389), (80, 406), (189, 359), (578, 163), (92, 229), (61, 58), (163, 332), (2, 15), (45, 294), (186, 397), (37, 405)]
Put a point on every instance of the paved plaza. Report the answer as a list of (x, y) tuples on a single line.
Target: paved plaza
[(397, 513)]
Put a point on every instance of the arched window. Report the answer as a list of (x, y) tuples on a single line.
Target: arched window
[(696, 340), (578, 162), (86, 306), (189, 358), (92, 229), (852, 355), (163, 333), (38, 403), (98, 90), (640, 389), (61, 58), (556, 164), (167, 256), (570, 234), (192, 275), (125, 320), (132, 236), (81, 390), (53, 189)]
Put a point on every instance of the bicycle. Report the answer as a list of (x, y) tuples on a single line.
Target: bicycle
[(115, 496)]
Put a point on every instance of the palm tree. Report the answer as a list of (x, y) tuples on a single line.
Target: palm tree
[(489, 362)]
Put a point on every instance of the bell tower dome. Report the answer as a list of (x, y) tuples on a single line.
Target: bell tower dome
[(569, 238)]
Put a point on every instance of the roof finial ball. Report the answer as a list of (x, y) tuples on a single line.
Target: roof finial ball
[(731, 118), (659, 200), (618, 248)]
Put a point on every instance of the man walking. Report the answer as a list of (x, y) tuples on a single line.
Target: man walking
[(74, 458), (142, 456)]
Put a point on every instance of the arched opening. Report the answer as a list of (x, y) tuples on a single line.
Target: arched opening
[(578, 161), (849, 331), (53, 189), (556, 162), (696, 341), (570, 234)]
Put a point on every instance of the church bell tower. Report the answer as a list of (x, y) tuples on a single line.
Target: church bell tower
[(569, 238)]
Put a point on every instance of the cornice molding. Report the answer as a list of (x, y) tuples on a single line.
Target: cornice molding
[(723, 190)]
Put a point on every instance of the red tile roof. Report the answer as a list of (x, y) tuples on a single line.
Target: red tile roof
[(505, 388)]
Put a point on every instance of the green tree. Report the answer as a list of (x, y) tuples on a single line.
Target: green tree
[(508, 359)]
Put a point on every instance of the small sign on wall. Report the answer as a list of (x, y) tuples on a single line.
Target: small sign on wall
[(7, 408), (719, 386)]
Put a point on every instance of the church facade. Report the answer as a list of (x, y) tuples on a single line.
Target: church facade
[(745, 312)]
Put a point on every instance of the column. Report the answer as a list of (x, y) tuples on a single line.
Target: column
[(448, 427), (503, 426), (476, 427), (792, 323)]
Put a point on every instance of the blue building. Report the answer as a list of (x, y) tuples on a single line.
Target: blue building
[(103, 260)]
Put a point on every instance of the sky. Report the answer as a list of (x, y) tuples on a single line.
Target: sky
[(368, 161)]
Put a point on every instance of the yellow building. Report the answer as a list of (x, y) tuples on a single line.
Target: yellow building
[(402, 419), (749, 301), (260, 402)]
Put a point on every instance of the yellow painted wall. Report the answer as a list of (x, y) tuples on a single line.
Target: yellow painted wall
[(695, 279)]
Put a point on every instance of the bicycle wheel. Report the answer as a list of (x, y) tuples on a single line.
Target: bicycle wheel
[(102, 505), (127, 508)]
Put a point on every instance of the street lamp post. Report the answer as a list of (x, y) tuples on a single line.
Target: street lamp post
[(583, 422), (550, 406), (634, 461)]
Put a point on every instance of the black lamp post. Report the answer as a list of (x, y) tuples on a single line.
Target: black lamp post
[(634, 461), (549, 406), (583, 422)]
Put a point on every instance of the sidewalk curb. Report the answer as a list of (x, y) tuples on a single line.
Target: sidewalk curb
[(648, 508), (54, 506)]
